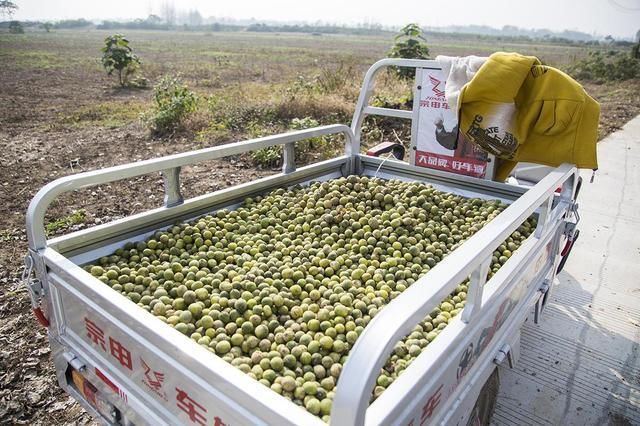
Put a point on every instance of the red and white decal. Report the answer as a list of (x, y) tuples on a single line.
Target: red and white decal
[(439, 143), (153, 380), (466, 166), (117, 350), (435, 86), (111, 385)]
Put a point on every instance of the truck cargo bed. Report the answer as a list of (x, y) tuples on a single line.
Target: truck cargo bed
[(127, 367)]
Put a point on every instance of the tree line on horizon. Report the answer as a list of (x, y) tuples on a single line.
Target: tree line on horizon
[(172, 19)]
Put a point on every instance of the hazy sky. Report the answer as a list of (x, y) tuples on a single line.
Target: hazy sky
[(620, 18)]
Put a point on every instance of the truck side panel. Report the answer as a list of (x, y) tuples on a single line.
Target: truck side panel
[(441, 382), (153, 373)]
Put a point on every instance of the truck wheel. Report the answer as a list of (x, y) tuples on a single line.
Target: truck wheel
[(486, 402)]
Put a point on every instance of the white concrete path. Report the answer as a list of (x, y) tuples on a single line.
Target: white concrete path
[(581, 364)]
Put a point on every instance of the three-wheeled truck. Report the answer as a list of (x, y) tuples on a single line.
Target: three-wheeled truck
[(126, 366)]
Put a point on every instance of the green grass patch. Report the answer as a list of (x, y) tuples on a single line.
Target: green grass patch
[(76, 217), (105, 114), (34, 59), (43, 60)]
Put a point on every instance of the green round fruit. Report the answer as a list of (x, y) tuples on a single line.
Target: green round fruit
[(97, 271), (223, 347), (313, 406)]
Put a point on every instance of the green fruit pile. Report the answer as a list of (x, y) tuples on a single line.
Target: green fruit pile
[(282, 287)]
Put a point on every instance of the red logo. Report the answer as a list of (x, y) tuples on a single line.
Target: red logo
[(153, 379), (432, 403), (435, 83)]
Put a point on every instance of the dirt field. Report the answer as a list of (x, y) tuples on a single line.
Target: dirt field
[(60, 114)]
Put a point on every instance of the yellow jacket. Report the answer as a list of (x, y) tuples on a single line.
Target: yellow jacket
[(520, 110)]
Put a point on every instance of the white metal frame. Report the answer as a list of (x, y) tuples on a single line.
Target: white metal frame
[(170, 168), (362, 106), (363, 109)]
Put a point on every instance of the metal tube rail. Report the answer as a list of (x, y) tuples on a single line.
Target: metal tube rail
[(170, 166), (362, 106), (398, 318)]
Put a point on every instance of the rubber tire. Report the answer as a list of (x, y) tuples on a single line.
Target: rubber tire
[(486, 402)]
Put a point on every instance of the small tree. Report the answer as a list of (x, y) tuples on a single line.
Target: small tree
[(635, 50), (409, 43), (194, 18), (15, 27), (47, 26), (118, 56), (173, 102)]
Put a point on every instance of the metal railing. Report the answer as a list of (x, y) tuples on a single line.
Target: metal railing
[(472, 258), (170, 167), (362, 106)]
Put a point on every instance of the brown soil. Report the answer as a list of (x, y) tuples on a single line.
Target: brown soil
[(36, 149)]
